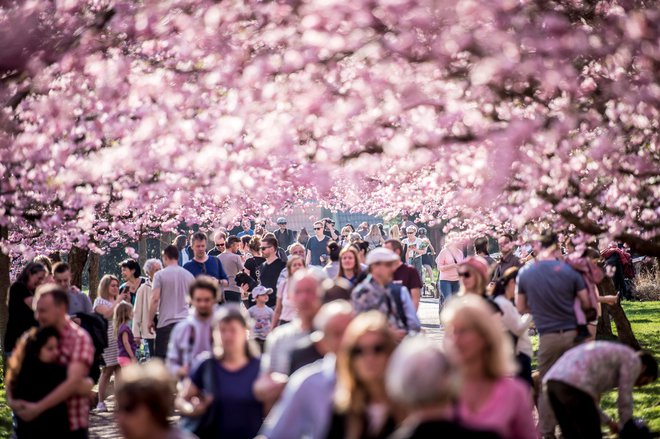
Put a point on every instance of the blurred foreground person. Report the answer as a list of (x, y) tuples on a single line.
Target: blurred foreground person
[(490, 398), (421, 379), (145, 400), (578, 379)]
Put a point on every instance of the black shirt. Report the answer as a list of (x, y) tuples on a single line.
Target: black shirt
[(268, 275), (253, 264), (306, 353), (21, 316), (440, 429)]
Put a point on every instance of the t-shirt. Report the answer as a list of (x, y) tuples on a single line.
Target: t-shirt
[(21, 317), (253, 264), (237, 412), (173, 282), (262, 318), (550, 288), (232, 264), (79, 302), (245, 232), (414, 244), (269, 273), (407, 276), (437, 429), (211, 267), (124, 329), (449, 256), (317, 248)]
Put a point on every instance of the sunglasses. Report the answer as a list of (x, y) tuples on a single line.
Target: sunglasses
[(317, 228), (377, 349), (264, 248), (220, 245), (410, 233), (465, 274)]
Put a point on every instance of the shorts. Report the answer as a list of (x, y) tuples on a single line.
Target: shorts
[(124, 361)]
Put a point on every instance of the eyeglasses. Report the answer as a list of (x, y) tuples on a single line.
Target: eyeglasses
[(377, 349), (465, 274), (264, 248)]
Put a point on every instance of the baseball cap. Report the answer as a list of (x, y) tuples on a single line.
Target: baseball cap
[(381, 254), (281, 220), (260, 290), (478, 263)]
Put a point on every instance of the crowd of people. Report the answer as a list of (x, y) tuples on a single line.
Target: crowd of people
[(284, 335)]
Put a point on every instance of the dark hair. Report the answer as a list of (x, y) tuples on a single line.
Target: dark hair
[(232, 240), (650, 365), (132, 264), (204, 283), (548, 238), (501, 282), (508, 236), (271, 241), (333, 251), (199, 236), (255, 243), (60, 296), (363, 245), (396, 246), (61, 267), (180, 242), (45, 261), (171, 252), (26, 353), (245, 239), (30, 269), (481, 245)]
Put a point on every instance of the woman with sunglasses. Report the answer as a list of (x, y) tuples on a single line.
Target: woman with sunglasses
[(362, 408), (491, 399)]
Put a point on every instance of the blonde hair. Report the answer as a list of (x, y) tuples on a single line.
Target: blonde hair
[(289, 263), (395, 232), (123, 314), (104, 285), (474, 311), (480, 285), (351, 395)]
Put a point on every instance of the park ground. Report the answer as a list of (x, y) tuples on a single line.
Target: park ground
[(644, 317)]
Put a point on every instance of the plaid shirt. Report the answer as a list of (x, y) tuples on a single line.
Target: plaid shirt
[(76, 346)]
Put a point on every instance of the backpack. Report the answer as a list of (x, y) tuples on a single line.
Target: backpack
[(395, 292)]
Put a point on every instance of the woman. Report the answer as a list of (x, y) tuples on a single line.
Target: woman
[(181, 243), (361, 406), (48, 264), (344, 238), (473, 275), (374, 237), (105, 304), (130, 272), (503, 295), (237, 413), (447, 262), (145, 401), (349, 265), (285, 310), (244, 247), (142, 301), (395, 232), (303, 236), (252, 264), (490, 399), (21, 316)]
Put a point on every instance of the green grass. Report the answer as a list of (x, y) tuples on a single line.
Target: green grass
[(5, 412)]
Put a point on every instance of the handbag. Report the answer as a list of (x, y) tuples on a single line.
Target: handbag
[(204, 426)]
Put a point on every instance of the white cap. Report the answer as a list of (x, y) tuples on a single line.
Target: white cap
[(381, 254), (260, 290)]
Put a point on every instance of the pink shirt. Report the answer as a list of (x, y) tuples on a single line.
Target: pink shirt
[(508, 411), (448, 256)]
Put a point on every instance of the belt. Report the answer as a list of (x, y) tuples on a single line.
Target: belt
[(559, 331)]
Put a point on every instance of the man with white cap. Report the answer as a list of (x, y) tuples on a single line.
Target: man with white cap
[(378, 292), (284, 236)]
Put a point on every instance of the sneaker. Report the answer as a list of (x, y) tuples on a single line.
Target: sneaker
[(100, 407)]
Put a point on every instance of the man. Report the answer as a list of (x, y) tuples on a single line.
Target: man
[(415, 248), (76, 353), (329, 229), (247, 228), (270, 270), (281, 342), (78, 301), (316, 246), (378, 292), (305, 409), (583, 374), (547, 289), (481, 249), (508, 259), (232, 264), (284, 236), (219, 243), (405, 274), (168, 299), (203, 263), (193, 335)]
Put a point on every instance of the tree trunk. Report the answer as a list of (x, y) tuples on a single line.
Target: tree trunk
[(142, 250), (5, 265), (77, 259), (623, 328), (93, 270)]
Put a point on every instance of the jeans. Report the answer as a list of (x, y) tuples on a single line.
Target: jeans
[(417, 263), (575, 411), (448, 288), (525, 372), (162, 340)]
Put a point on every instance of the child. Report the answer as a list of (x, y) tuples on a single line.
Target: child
[(261, 315), (125, 340), (34, 372)]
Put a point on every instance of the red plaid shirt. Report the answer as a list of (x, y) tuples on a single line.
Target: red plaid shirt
[(76, 346)]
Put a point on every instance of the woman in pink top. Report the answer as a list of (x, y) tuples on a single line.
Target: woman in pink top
[(447, 261), (490, 399)]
